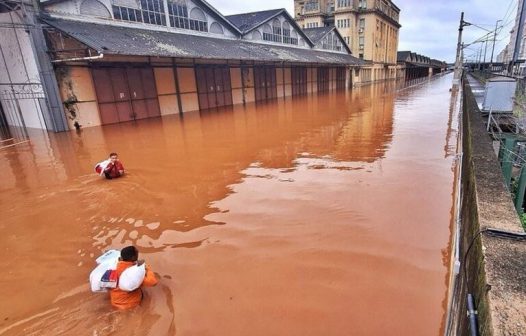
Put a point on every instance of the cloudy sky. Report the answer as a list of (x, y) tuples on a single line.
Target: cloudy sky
[(429, 27)]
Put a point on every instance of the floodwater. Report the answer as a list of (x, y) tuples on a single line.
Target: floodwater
[(320, 215)]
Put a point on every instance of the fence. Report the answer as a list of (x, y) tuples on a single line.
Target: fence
[(13, 129)]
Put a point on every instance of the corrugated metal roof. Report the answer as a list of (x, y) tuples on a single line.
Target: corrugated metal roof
[(119, 40), (248, 21)]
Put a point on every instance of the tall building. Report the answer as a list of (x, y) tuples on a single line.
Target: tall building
[(369, 27), (517, 40)]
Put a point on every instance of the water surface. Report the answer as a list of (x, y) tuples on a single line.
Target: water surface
[(320, 215)]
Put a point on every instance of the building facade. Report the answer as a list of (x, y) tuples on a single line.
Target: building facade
[(122, 60), (28, 90), (369, 27), (516, 47), (413, 66)]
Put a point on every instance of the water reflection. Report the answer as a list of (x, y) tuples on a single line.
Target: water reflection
[(229, 206)]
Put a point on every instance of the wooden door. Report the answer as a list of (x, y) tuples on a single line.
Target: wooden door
[(121, 93), (265, 84), (105, 98), (136, 93), (323, 79), (150, 92), (272, 89), (259, 83), (219, 86), (214, 86), (340, 78), (125, 94), (299, 81), (211, 87), (227, 82), (202, 87)]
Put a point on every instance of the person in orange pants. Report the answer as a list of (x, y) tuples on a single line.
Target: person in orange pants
[(126, 300)]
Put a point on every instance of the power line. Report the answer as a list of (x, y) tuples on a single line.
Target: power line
[(508, 12)]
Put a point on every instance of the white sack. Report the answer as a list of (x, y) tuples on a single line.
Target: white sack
[(132, 278)]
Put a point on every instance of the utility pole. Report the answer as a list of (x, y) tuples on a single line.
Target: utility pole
[(518, 38), (458, 60), (485, 49), (479, 57), (462, 53), (494, 40)]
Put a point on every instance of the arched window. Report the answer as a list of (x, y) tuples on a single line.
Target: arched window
[(198, 20), (286, 32), (153, 12), (267, 33), (330, 41), (216, 28), (256, 35), (294, 38), (147, 11), (324, 43), (178, 14), (337, 43), (276, 30), (94, 8)]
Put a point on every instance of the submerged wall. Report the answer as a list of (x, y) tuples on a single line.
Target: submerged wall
[(175, 83), (493, 269)]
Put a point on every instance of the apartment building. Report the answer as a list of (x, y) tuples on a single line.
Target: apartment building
[(369, 28)]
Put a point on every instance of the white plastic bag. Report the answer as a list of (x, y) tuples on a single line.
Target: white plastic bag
[(108, 256), (107, 261), (132, 278), (95, 277)]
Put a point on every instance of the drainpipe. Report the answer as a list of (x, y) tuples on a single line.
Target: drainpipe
[(88, 58), (472, 313)]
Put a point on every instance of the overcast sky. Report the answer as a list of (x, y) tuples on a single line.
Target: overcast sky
[(429, 27)]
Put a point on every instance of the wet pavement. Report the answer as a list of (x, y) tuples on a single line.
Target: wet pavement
[(320, 215)]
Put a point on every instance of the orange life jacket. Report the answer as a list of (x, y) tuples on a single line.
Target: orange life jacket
[(126, 300)]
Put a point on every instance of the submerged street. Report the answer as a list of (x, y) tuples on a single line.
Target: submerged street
[(328, 214)]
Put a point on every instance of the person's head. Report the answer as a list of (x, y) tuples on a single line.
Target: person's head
[(114, 157), (129, 253)]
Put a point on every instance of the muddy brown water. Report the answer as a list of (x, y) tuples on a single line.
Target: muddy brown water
[(320, 215)]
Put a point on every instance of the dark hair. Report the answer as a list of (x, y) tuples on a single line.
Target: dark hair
[(129, 253), (113, 154)]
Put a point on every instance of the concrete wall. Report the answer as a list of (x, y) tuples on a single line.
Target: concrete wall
[(493, 269), (18, 65), (76, 86)]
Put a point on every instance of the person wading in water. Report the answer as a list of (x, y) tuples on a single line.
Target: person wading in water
[(111, 168), (125, 300)]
